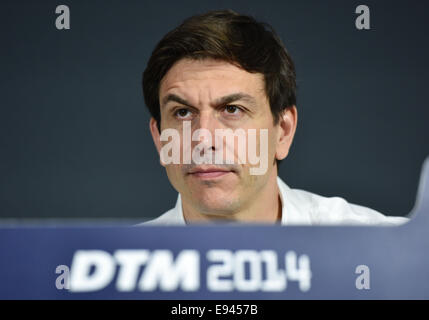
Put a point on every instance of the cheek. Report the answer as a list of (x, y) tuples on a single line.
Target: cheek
[(174, 174), (268, 142), (272, 138)]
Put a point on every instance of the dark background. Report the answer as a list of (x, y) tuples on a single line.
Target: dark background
[(74, 138)]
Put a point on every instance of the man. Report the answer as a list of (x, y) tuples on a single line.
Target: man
[(224, 71)]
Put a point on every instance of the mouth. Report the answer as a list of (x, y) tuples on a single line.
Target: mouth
[(209, 172)]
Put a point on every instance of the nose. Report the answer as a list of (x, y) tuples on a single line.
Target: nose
[(207, 123), (207, 120)]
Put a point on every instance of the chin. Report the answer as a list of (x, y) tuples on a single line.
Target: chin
[(217, 206)]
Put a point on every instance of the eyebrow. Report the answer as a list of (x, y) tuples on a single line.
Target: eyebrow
[(220, 101), (174, 98), (234, 97)]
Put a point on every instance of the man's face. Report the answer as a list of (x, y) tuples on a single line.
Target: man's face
[(210, 94)]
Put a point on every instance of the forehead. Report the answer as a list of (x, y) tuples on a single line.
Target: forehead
[(215, 77)]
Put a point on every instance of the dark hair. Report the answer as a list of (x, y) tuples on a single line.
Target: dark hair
[(228, 36)]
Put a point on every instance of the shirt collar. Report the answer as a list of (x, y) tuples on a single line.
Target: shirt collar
[(295, 210), (179, 211)]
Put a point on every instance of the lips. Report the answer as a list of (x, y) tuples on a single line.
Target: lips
[(209, 172)]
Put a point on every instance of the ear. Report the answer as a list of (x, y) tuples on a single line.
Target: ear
[(286, 131), (156, 136)]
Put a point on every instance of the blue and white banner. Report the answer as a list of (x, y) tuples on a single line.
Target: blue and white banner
[(219, 262)]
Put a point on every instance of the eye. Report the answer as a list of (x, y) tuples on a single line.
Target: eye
[(232, 109), (182, 113)]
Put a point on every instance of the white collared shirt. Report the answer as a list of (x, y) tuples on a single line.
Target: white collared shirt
[(301, 207)]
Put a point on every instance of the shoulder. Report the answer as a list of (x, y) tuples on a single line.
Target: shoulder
[(336, 210), (172, 217)]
